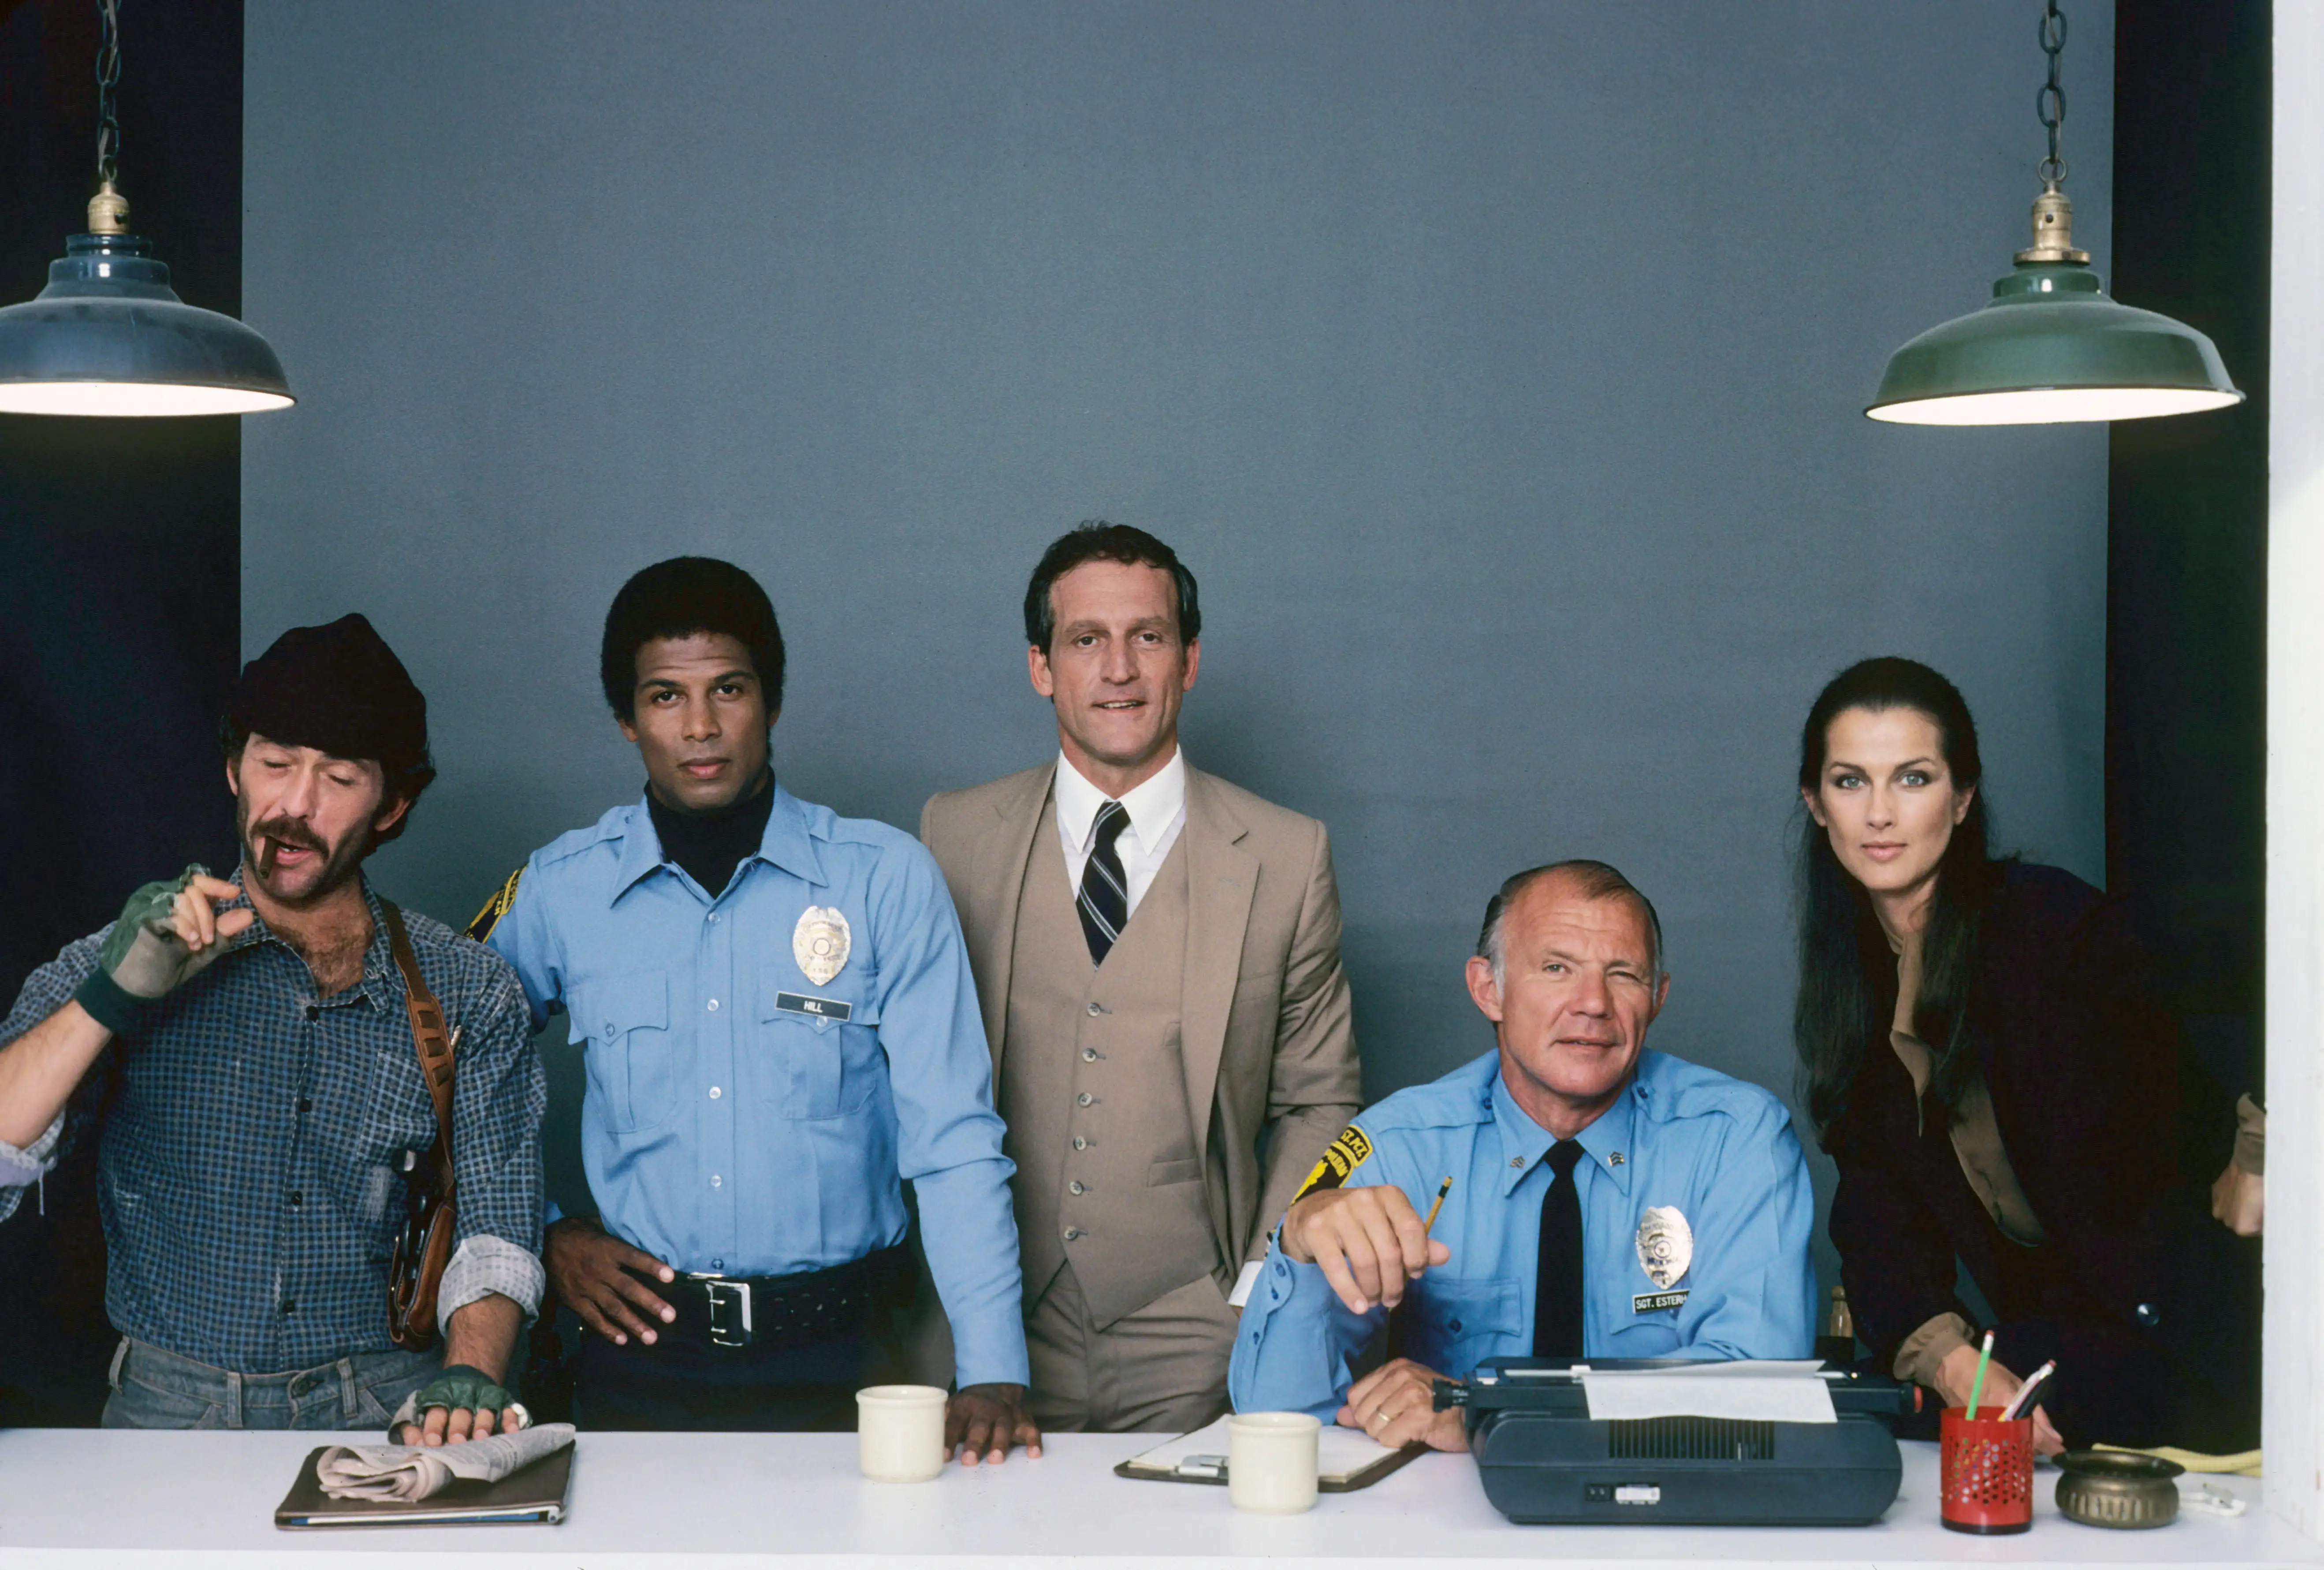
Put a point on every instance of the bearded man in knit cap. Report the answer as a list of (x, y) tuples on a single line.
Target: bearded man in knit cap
[(240, 1049)]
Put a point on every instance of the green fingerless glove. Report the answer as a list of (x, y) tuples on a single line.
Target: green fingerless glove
[(460, 1387), (141, 958)]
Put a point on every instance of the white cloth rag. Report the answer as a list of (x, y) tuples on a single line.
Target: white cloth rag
[(407, 1472)]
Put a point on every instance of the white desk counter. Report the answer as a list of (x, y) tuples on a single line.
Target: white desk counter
[(79, 1498)]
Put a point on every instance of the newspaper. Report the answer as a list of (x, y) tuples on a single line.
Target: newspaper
[(403, 1473)]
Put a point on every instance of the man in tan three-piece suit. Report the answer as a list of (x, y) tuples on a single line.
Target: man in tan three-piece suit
[(1158, 955)]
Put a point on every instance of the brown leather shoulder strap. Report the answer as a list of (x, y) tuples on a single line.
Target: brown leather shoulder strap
[(428, 1033)]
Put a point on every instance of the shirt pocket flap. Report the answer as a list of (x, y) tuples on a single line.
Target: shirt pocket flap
[(625, 1019), (1454, 1310), (609, 1008), (851, 998)]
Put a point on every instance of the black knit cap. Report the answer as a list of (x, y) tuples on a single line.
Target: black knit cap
[(338, 689)]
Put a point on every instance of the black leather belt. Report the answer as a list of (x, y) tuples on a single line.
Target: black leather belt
[(795, 1310)]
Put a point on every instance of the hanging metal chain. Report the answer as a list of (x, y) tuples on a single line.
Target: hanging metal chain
[(108, 75), (2049, 103)]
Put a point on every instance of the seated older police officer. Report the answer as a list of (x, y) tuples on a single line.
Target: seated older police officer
[(1605, 1201)]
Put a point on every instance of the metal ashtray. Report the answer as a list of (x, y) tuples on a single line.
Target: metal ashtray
[(2113, 1488)]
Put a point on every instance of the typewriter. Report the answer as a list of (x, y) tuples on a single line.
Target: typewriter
[(1543, 1458)]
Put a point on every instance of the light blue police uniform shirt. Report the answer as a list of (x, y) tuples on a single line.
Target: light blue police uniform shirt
[(723, 1132), (1720, 1150)]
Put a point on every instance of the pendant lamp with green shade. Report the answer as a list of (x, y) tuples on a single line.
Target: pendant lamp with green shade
[(2050, 345), (108, 336)]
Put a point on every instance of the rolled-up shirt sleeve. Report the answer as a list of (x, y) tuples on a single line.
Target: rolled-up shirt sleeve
[(45, 992), (483, 1265), (949, 1136), (2251, 1136), (498, 1100), (1922, 1353), (24, 1164)]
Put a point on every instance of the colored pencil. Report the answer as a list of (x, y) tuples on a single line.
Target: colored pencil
[(1977, 1388), (2023, 1404)]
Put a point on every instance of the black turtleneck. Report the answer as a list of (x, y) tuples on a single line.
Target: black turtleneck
[(711, 845)]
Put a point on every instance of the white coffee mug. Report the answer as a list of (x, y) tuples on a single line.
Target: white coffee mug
[(1271, 1462), (900, 1432)]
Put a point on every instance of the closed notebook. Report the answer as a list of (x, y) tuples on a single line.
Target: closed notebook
[(532, 1493), (1346, 1459)]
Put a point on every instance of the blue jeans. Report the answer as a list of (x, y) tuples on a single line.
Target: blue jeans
[(153, 1389)]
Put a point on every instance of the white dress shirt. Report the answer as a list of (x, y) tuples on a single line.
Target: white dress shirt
[(1157, 811)]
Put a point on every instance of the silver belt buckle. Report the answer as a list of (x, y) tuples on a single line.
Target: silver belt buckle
[(730, 1311)]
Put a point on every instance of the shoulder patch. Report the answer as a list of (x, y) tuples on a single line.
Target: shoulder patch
[(480, 928), (1340, 1159)]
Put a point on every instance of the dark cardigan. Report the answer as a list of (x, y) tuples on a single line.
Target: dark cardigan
[(2084, 1066)]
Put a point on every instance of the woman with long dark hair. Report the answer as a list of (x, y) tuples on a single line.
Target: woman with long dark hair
[(2002, 1094)]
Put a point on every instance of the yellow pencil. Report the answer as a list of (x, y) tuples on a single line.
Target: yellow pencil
[(1442, 1190)]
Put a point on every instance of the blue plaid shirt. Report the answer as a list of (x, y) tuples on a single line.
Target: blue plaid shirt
[(252, 1136)]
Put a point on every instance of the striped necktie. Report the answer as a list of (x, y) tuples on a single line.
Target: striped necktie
[(1104, 901)]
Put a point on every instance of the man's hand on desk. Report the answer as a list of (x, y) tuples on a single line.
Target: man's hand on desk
[(982, 1421), (1396, 1405), (465, 1401), (1369, 1241), (591, 1270), (1958, 1373), (461, 1404)]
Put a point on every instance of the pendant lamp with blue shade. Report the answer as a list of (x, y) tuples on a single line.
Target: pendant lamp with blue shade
[(108, 336), (2051, 345)]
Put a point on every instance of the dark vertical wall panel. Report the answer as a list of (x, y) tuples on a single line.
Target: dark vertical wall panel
[(2187, 533), (119, 603), (1497, 366)]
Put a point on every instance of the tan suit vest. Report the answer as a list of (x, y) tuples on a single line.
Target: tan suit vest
[(1109, 1173), (1264, 1032)]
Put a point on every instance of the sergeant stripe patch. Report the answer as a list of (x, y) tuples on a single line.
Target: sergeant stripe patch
[(1340, 1159), (495, 907)]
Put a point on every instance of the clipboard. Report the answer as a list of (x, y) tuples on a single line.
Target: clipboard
[(534, 1493), (1346, 1459)]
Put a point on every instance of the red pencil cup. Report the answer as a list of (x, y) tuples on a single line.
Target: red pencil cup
[(1986, 1469)]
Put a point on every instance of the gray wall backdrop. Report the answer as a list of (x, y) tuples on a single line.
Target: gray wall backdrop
[(1497, 367)]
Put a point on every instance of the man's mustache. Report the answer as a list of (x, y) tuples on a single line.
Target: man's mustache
[(269, 836), (288, 831)]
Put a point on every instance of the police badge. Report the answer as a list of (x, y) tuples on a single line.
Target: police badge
[(820, 943), (1665, 1250), (1666, 1245)]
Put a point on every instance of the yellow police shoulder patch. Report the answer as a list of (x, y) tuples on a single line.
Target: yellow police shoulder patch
[(1340, 1159), (495, 907)]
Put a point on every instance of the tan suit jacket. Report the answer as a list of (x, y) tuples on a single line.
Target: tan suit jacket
[(1265, 1022)]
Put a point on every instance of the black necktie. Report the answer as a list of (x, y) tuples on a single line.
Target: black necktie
[(1104, 902), (1557, 1284)]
